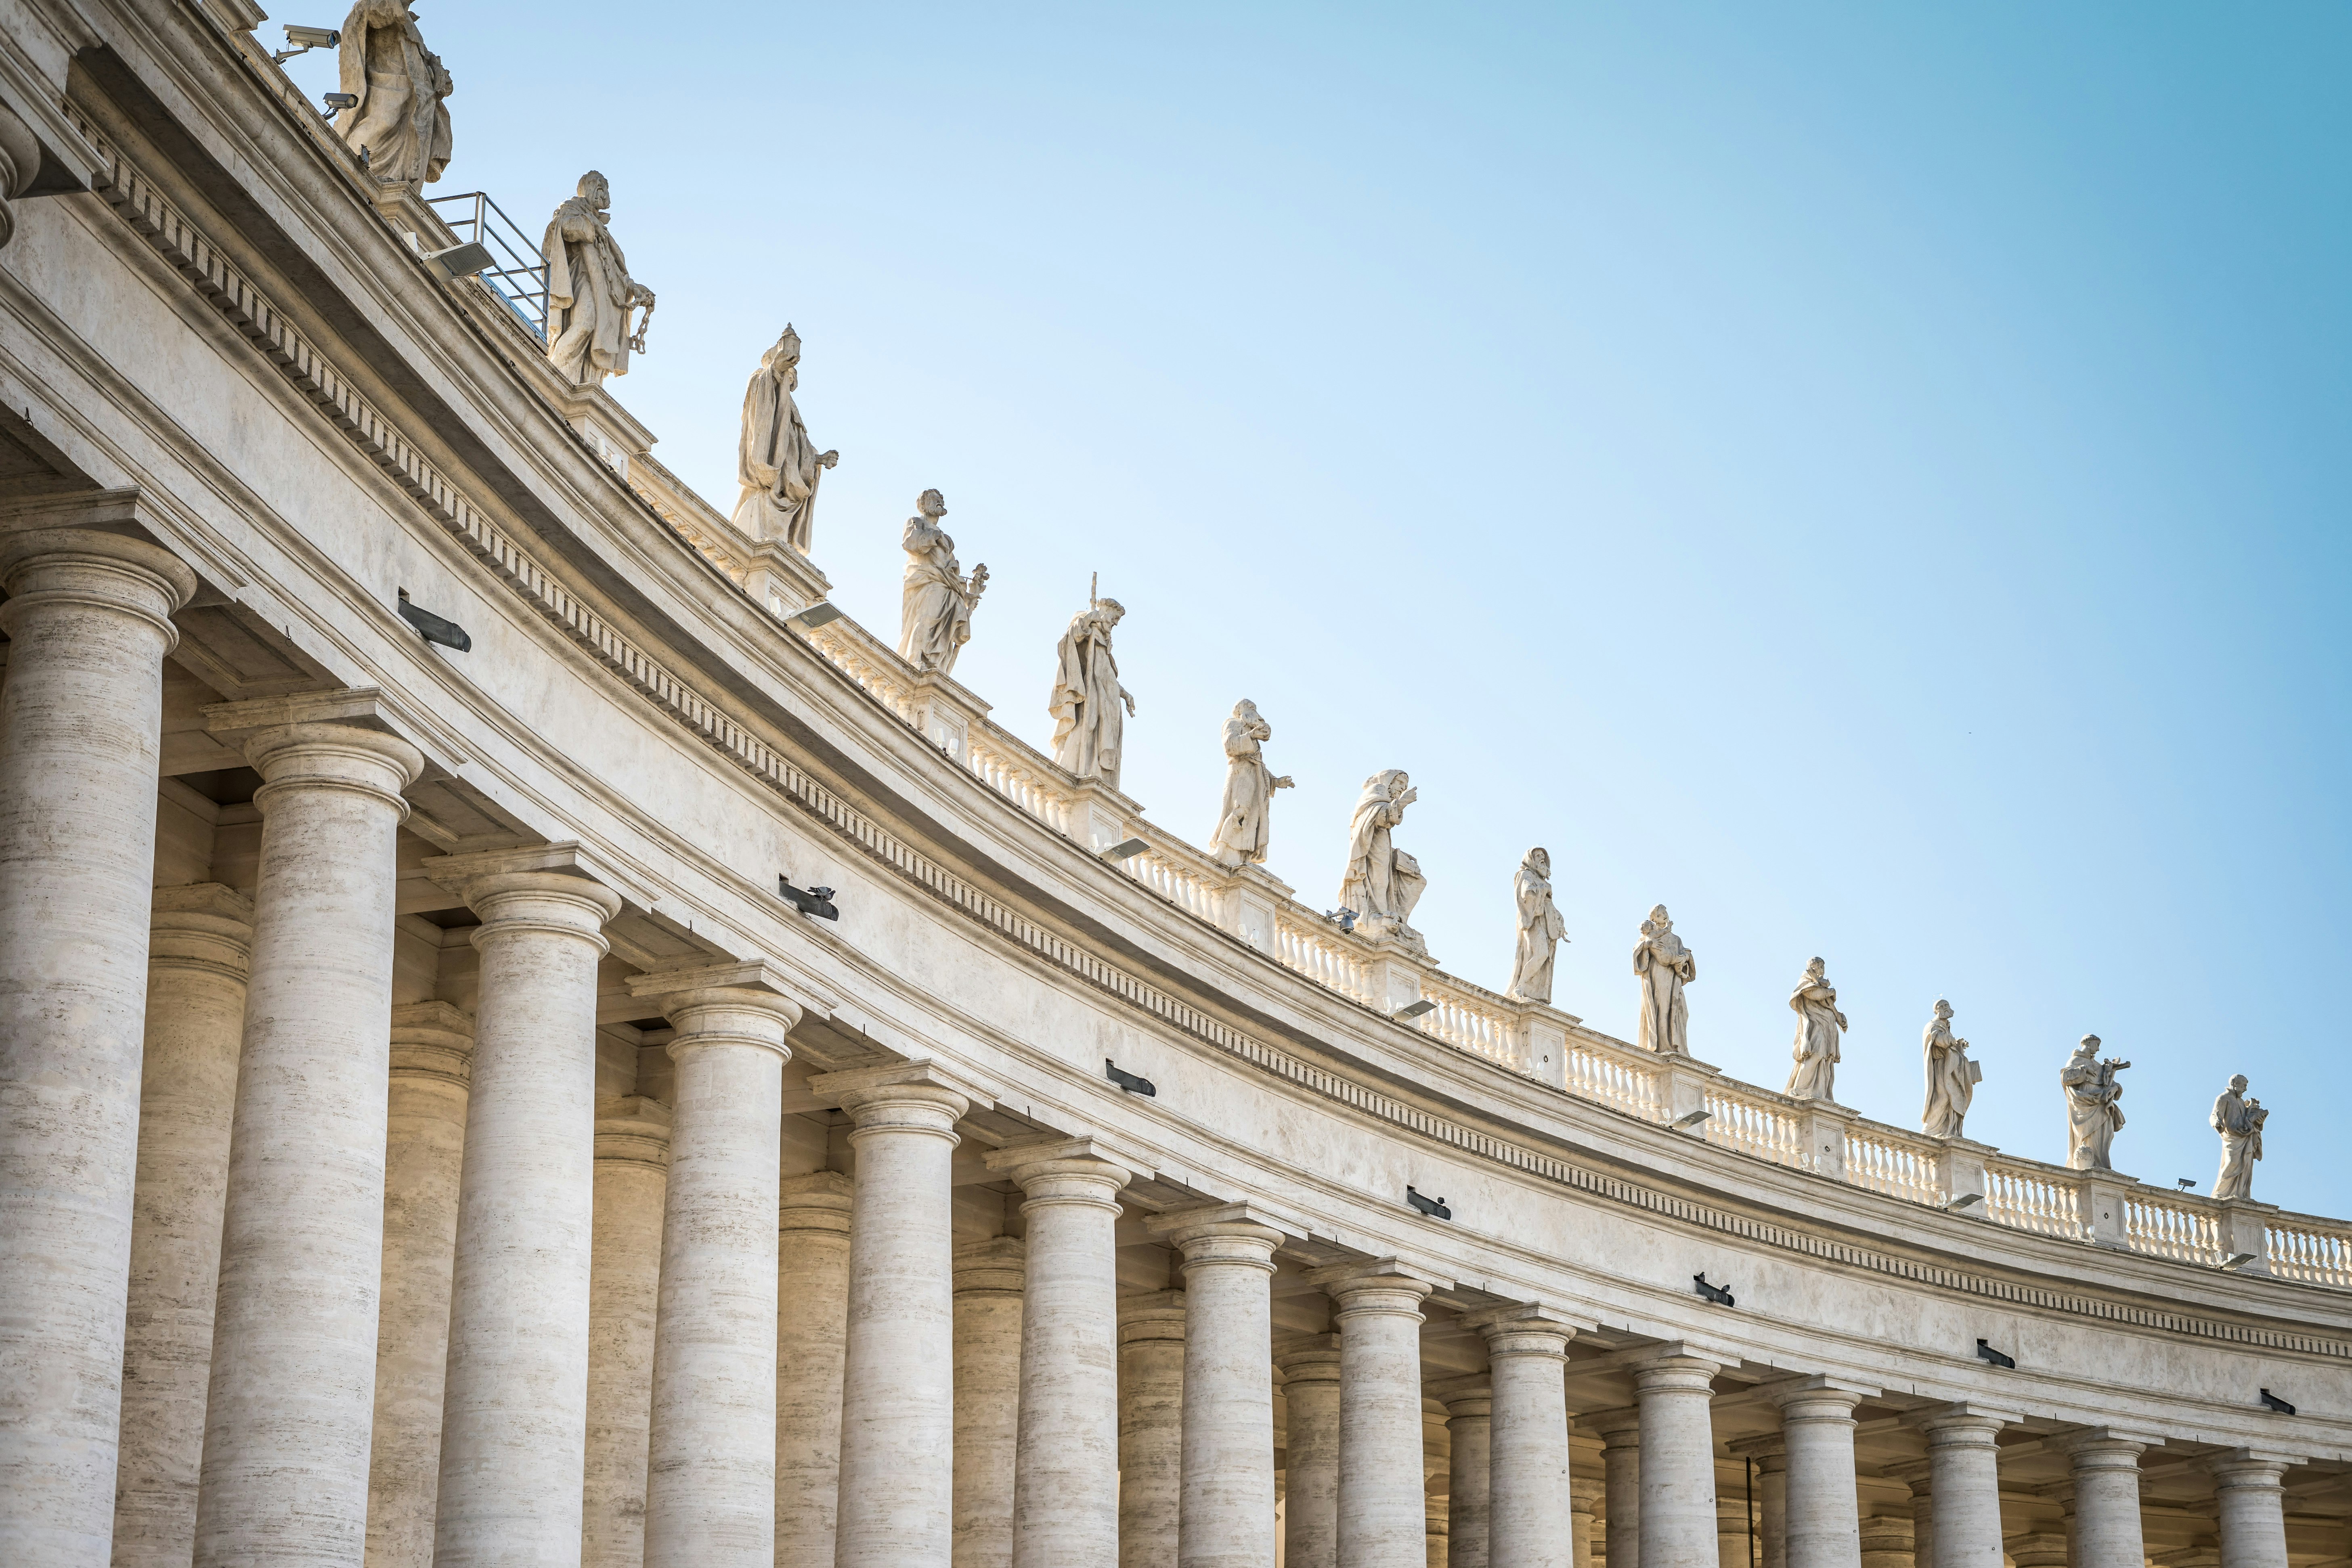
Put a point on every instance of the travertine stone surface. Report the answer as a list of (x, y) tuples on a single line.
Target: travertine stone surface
[(1151, 1427), (2105, 1465), (1378, 1309), (988, 1286), (1887, 1540), (811, 1321), (1770, 1454), (1823, 1527), (1310, 1402), (1620, 1472), (515, 1428), (201, 942), (1584, 1498), (1674, 1394), (624, 1295), (425, 1146), (1735, 1542), (1964, 1476), (1469, 1492), (2251, 1503), (1226, 1515), (1527, 1524), (80, 715), (291, 1409)]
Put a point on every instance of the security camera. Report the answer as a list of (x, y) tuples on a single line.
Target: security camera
[(300, 40), (337, 102)]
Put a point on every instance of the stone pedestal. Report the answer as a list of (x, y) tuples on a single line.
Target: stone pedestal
[(1960, 1170), (1675, 1393), (1820, 1126), (2245, 1233), (1964, 1476), (989, 1279), (1683, 1083), (2104, 1214), (1246, 903), (623, 1299), (1310, 1399), (811, 1328), (1151, 1428), (1382, 1514), (1469, 1404), (1226, 1517)]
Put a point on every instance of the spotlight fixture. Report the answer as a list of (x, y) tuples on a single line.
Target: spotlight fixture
[(823, 613), (1684, 1124), (1965, 1201), (1411, 1010), (459, 260), (817, 901), (1714, 1293), (1434, 1207), (2235, 1260), (1129, 1082), (300, 40), (1986, 1352), (432, 627), (1126, 849), (2273, 1402)]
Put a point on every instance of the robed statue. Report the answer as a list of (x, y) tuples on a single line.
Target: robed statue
[(1086, 698), (1819, 1025), (402, 118), (1952, 1076), (1382, 882), (590, 294), (1241, 832), (2239, 1120), (2093, 1115), (936, 603), (1666, 967), (776, 462), (1540, 929)]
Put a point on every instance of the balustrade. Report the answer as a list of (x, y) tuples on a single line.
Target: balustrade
[(2318, 1251), (2166, 1224), (1900, 1165), (1616, 1076), (1316, 949), (1740, 1118), (2038, 1199)]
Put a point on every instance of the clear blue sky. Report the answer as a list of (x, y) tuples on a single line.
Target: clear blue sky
[(1873, 477)]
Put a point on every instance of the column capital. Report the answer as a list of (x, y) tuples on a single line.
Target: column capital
[(433, 1040), (745, 1003), (2250, 1467), (2105, 1447), (332, 756), (1060, 1170), (1679, 1353), (1619, 1429), (1151, 1315), (1220, 1233), (999, 1267), (84, 565), (1818, 1398), (1307, 1358), (2040, 1549), (1468, 1396), (919, 1096), (1526, 1327), (1770, 1451), (1963, 1421), (819, 1201), (549, 886), (1373, 1285), (203, 925), (634, 1130), (1584, 1492)]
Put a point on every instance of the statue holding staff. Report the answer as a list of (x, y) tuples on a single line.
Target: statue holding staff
[(1242, 830), (1087, 698)]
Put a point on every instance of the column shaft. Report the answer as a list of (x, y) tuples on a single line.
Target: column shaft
[(1964, 1474), (1310, 1398), (1383, 1515), (1678, 1469), (1226, 1517), (1469, 1475), (1582, 1494), (1621, 1471), (1824, 1520), (2251, 1504), (632, 1180), (1527, 1524), (2106, 1502), (811, 1325), (987, 1283)]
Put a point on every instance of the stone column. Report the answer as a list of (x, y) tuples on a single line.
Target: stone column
[(624, 1297), (1823, 1527), (2251, 1504), (1151, 1427), (1381, 1512), (1437, 1534), (711, 1472), (1676, 1392), (811, 1326), (1066, 1477), (1621, 1469), (1226, 1517), (1886, 1542), (291, 1408), (1918, 1474), (88, 619), (1527, 1354), (514, 1438), (1964, 1474), (988, 1285), (898, 1390), (1584, 1496), (1770, 1456), (1735, 1544), (1310, 1398), (201, 942), (425, 1143), (2105, 1465), (1469, 1404)]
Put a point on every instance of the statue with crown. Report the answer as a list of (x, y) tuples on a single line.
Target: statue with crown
[(776, 463)]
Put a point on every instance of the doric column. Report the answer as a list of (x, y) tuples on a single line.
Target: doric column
[(514, 1437), (989, 1277), (1736, 1545), (1964, 1474), (1226, 1517), (1527, 1354), (2251, 1503), (1675, 1393), (1469, 1404), (897, 1391), (1886, 1542), (1621, 1469), (291, 1408), (2105, 1465), (1770, 1456), (1824, 1520), (710, 1473), (1310, 1402), (201, 942), (1918, 1475), (811, 1325), (623, 1299), (1584, 1498), (1151, 1428), (1381, 1513), (88, 619), (1437, 1533), (425, 1146), (1066, 1477)]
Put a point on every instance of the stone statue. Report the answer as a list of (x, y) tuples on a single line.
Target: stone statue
[(2239, 1121), (2093, 1115), (590, 294), (1666, 967), (1241, 832), (936, 605), (776, 462), (1540, 929), (1086, 696), (402, 118), (1819, 1025), (1383, 883), (1952, 1077)]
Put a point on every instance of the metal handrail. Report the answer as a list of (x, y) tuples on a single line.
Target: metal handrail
[(518, 274)]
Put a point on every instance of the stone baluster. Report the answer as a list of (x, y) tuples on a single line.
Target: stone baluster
[(711, 1472), (514, 1437), (2104, 1464), (2250, 1502), (624, 1299), (812, 1327), (1964, 1476), (1675, 1391), (1469, 1404), (1584, 1498), (1527, 1354), (202, 941), (1823, 1526), (88, 619), (1151, 1427), (1310, 1399), (1226, 1515), (989, 1279), (425, 1146), (1770, 1456), (898, 1389), (1621, 1469), (1065, 1477), (291, 1413), (1383, 1521)]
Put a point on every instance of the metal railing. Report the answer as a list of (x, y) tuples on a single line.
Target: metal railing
[(517, 273)]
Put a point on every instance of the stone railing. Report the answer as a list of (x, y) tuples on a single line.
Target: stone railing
[(1755, 1121), (1176, 872), (1306, 941), (2026, 1195), (1474, 1020), (1021, 775), (1900, 1165), (2173, 1224), (881, 673), (2305, 1247), (1614, 1074)]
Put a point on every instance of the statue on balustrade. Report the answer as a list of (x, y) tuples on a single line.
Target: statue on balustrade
[(1540, 929), (1952, 1077), (776, 462), (1241, 833), (402, 118), (938, 600), (2093, 1117), (1382, 883), (2239, 1120), (1666, 967), (1086, 698), (1819, 1025), (590, 295)]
